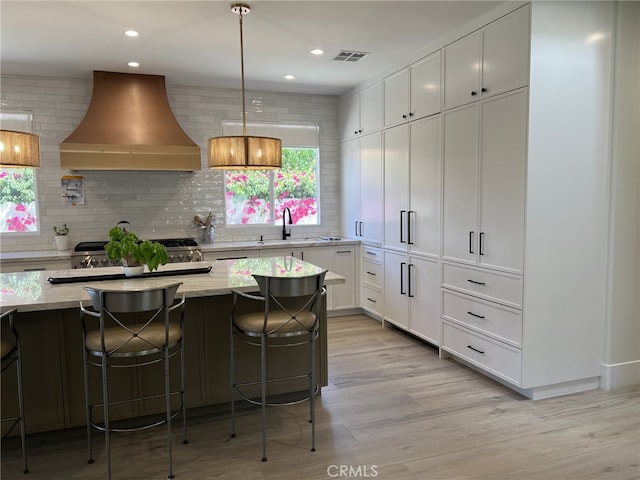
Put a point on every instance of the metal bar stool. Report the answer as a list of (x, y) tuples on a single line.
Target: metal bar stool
[(11, 353), (116, 343), (290, 313)]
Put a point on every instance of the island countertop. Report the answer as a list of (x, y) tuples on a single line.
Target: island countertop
[(32, 291)]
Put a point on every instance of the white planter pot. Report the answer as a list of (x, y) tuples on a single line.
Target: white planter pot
[(133, 271), (63, 242)]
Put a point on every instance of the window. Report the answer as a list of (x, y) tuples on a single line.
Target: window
[(260, 196), (18, 209), (255, 197)]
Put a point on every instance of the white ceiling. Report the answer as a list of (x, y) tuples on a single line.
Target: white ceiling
[(198, 42)]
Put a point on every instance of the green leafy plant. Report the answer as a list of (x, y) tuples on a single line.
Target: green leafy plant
[(131, 251), (63, 230)]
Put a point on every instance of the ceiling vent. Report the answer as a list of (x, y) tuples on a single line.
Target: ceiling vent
[(350, 56)]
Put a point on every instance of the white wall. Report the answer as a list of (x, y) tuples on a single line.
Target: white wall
[(158, 204), (621, 365)]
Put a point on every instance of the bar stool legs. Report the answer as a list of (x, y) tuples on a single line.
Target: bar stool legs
[(12, 353)]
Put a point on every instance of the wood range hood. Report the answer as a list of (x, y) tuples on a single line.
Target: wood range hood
[(129, 125)]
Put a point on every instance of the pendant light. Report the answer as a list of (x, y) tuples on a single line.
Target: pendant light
[(242, 151), (19, 149)]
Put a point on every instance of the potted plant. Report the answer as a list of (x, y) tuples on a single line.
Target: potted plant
[(62, 237), (134, 253)]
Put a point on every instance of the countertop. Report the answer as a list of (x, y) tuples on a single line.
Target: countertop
[(49, 255), (31, 291)]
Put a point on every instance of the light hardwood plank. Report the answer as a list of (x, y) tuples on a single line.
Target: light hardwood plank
[(392, 410)]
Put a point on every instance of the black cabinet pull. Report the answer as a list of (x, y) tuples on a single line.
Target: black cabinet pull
[(371, 273), (483, 90), (411, 267), (470, 242), (475, 315), (343, 251), (481, 243), (371, 253), (356, 132), (404, 116), (360, 131), (473, 93), (371, 300), (475, 349), (361, 228), (402, 212), (411, 114), (477, 283), (402, 292), (409, 240)]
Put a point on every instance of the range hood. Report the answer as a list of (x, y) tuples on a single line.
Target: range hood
[(129, 125)]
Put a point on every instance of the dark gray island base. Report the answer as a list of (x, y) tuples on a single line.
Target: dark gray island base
[(52, 352)]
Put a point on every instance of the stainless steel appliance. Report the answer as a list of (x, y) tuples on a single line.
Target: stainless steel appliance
[(93, 255)]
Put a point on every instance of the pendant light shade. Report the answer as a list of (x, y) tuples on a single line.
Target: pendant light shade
[(256, 153), (19, 149), (243, 151)]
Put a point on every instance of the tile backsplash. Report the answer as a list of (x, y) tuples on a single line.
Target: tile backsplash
[(159, 204)]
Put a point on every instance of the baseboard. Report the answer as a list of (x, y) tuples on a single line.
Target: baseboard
[(620, 375)]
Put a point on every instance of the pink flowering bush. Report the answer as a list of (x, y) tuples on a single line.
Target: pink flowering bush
[(17, 200), (248, 193)]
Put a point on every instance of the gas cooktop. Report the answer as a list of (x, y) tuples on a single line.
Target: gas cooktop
[(167, 242)]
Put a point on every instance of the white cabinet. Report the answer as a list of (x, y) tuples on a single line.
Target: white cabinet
[(230, 254), (372, 280), (485, 147), (361, 187), (412, 178), (336, 258), (344, 263), (63, 264), (350, 187), (362, 112), (489, 61), (412, 294), (396, 182), (414, 92)]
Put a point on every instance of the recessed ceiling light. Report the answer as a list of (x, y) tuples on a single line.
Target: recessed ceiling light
[(317, 51), (133, 64), (131, 33), (289, 77)]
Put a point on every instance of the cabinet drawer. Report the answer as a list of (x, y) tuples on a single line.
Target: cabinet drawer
[(492, 286), (489, 318), (372, 300), (371, 254), (372, 273), (490, 355)]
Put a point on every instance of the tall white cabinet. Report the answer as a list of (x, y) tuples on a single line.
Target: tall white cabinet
[(485, 147), (524, 216), (517, 198), (412, 178), (361, 187)]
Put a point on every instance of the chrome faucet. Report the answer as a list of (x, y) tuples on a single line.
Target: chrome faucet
[(286, 234)]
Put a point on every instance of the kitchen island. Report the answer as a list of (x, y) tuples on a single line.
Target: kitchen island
[(48, 321)]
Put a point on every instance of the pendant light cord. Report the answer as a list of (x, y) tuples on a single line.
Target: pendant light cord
[(244, 109)]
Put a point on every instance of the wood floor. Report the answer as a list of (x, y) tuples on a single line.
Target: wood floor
[(392, 411)]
